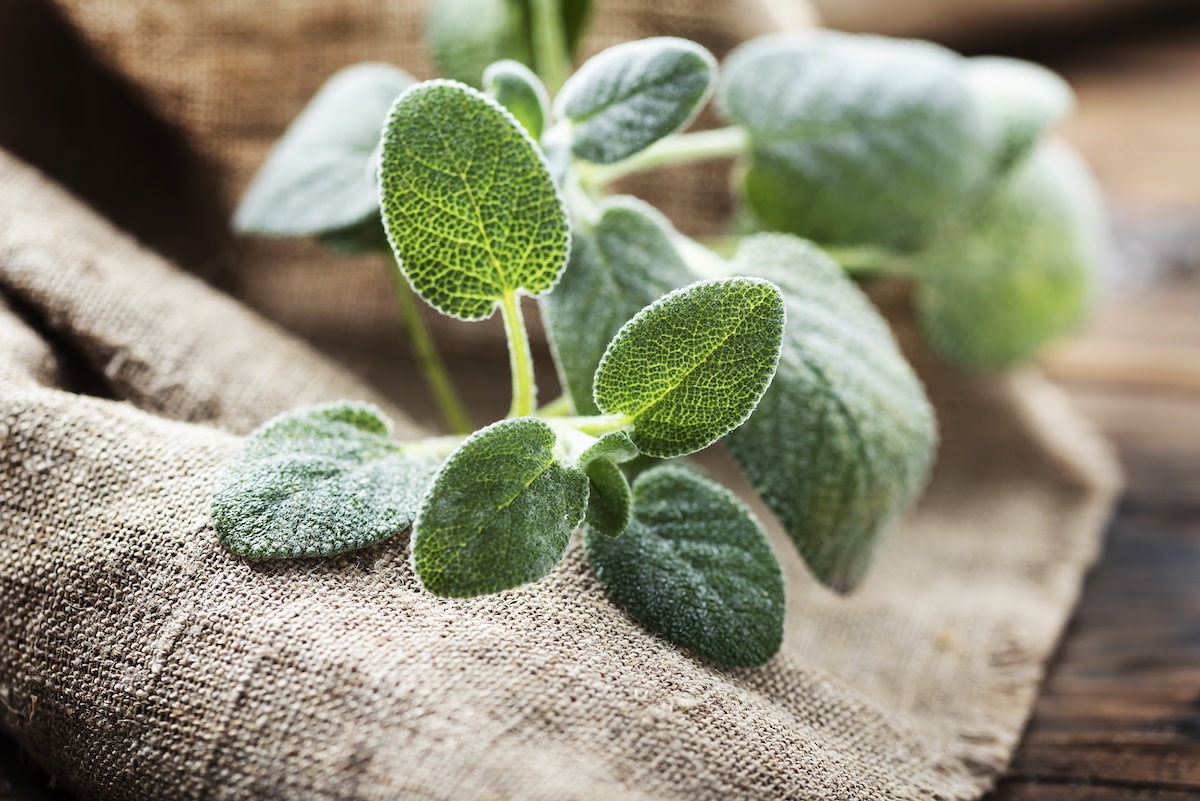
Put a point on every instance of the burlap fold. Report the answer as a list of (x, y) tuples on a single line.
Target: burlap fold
[(140, 660)]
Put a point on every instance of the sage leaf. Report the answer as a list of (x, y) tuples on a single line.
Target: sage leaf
[(623, 265), (695, 567), (320, 176), (465, 36), (499, 512), (840, 445), (468, 203), (1019, 102), (1025, 270), (319, 481), (690, 367), (629, 96), (515, 87), (615, 446), (609, 498), (855, 140)]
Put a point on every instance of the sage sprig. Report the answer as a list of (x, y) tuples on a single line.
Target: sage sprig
[(889, 156)]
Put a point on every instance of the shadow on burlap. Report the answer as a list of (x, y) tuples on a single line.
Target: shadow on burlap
[(138, 659)]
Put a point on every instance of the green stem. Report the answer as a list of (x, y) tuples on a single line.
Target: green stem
[(702, 261), (677, 149), (862, 259), (524, 390), (598, 425), (550, 55), (429, 361), (559, 407), (440, 447)]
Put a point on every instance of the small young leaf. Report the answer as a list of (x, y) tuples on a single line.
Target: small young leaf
[(609, 499), (690, 367), (696, 567), (1019, 102), (856, 140), (631, 95), (840, 445), (468, 202), (515, 87), (625, 264), (615, 446), (321, 175), (317, 482), (1023, 273), (499, 512), (465, 36)]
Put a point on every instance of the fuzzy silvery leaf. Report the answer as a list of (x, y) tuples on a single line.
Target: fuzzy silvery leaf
[(317, 482), (631, 95), (856, 140), (623, 265), (840, 445), (1019, 102), (609, 498), (1024, 271), (615, 446), (691, 366), (321, 175), (695, 567), (468, 203), (465, 36), (515, 87), (499, 512)]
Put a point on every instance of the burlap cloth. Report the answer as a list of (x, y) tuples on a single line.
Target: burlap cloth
[(138, 659)]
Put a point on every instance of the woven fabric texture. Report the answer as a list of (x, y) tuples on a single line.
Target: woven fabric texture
[(140, 660)]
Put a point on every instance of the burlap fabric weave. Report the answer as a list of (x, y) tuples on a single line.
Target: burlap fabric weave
[(138, 659)]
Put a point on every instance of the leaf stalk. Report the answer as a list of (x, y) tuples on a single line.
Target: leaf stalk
[(550, 55), (677, 149), (429, 360), (524, 389)]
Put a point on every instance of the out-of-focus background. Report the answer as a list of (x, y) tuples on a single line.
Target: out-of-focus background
[(1119, 714)]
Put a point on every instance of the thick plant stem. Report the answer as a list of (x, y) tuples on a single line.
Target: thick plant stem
[(429, 361), (549, 44), (599, 425), (678, 149), (524, 390)]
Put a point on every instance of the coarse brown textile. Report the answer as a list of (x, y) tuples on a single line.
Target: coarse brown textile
[(137, 656), (138, 659)]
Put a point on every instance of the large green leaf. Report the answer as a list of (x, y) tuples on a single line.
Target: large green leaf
[(1020, 102), (468, 202), (499, 512), (623, 265), (696, 567), (319, 481), (633, 94), (840, 445), (690, 367), (321, 175), (1023, 272), (856, 140)]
